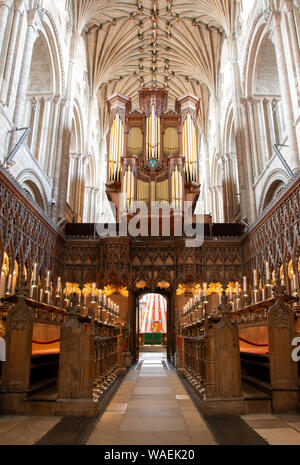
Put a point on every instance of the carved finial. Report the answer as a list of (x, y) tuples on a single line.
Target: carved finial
[(74, 299), (72, 307), (22, 289), (225, 307), (279, 291), (91, 313)]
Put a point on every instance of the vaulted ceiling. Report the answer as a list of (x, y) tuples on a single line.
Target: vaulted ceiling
[(166, 43)]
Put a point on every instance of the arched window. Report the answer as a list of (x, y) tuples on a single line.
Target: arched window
[(34, 192), (274, 191), (40, 94), (265, 109)]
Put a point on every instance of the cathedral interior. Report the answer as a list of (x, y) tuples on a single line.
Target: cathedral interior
[(150, 222)]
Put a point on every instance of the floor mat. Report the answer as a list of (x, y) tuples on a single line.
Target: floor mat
[(72, 431), (69, 432), (232, 430), (228, 430)]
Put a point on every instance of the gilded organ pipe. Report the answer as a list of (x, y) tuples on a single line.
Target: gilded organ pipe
[(176, 193), (116, 149), (129, 190), (190, 149), (153, 135)]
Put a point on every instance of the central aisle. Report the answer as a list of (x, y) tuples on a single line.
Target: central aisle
[(151, 408)]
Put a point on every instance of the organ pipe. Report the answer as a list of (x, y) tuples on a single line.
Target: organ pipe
[(176, 193), (129, 188), (116, 149), (153, 135), (190, 149)]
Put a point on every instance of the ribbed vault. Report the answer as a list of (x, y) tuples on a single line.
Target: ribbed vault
[(145, 43)]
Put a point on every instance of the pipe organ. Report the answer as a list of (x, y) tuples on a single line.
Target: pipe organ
[(116, 148), (153, 154), (153, 135)]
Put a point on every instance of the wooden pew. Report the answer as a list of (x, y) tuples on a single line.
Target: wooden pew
[(58, 362), (212, 363), (266, 331), (253, 345), (32, 360)]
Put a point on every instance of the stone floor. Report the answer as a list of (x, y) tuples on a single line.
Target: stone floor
[(151, 408)]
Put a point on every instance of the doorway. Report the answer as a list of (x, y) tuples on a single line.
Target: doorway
[(153, 323), (161, 330)]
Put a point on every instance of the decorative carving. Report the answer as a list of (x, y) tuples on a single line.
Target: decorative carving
[(279, 315), (20, 316)]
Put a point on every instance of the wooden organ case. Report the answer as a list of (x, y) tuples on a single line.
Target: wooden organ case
[(153, 152)]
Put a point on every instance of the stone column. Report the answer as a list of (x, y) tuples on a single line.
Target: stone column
[(70, 191), (275, 27), (265, 147), (236, 95), (249, 175), (45, 130), (96, 205), (65, 159), (253, 136), (57, 162), (92, 205), (18, 8), (276, 119), (4, 11), (35, 127), (288, 4), (20, 106), (221, 204), (87, 204), (53, 136), (76, 179), (271, 110), (225, 190), (229, 187)]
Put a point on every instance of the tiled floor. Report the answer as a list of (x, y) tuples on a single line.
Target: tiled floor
[(20, 431), (151, 407), (276, 430)]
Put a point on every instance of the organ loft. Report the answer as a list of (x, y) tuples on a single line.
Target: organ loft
[(149, 222), (153, 153)]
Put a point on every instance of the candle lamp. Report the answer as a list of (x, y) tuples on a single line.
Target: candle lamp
[(255, 286), (205, 301), (268, 279), (58, 288), (48, 287), (93, 295), (294, 285), (34, 283), (9, 285), (100, 305), (200, 306), (245, 286), (255, 280), (34, 278)]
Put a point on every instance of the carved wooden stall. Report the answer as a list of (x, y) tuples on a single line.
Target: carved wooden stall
[(212, 362), (266, 332), (68, 380), (228, 354)]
